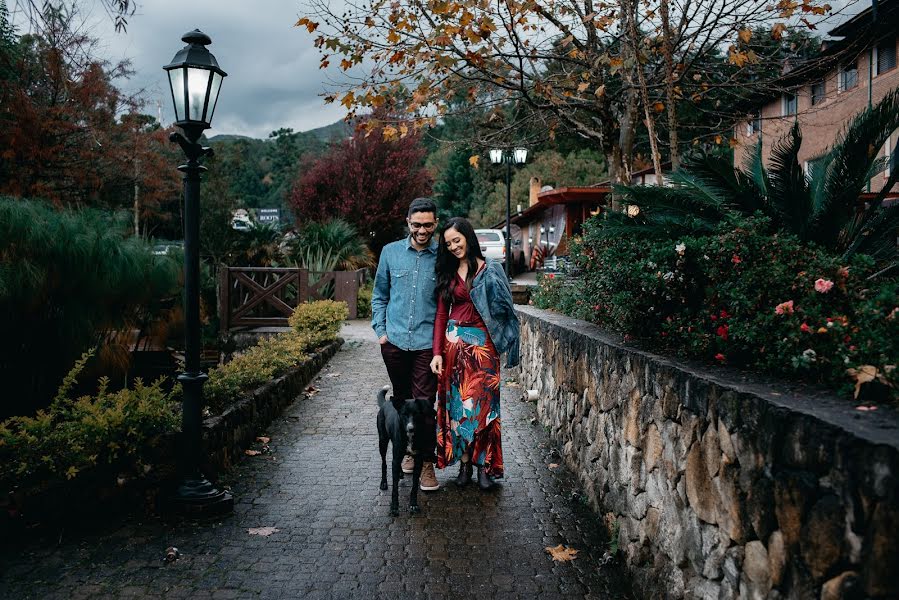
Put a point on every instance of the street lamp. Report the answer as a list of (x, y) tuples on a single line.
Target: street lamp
[(519, 156), (195, 80)]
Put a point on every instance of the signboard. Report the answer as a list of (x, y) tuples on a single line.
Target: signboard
[(268, 215)]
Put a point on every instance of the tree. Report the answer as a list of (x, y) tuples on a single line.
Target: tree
[(593, 68), (367, 181), (57, 113), (454, 190)]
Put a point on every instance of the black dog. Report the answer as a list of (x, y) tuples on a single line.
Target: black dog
[(411, 426)]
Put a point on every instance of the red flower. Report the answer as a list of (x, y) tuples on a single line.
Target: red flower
[(551, 275), (720, 357), (736, 259), (724, 314), (714, 318), (805, 328), (722, 332)]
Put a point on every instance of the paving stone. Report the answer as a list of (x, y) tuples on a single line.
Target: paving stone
[(336, 539)]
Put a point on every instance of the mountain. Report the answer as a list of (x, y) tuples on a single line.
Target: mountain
[(335, 131), (228, 137)]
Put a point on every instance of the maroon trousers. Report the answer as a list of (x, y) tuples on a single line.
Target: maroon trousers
[(410, 372)]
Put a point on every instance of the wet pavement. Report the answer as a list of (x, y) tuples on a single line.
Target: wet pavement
[(333, 537)]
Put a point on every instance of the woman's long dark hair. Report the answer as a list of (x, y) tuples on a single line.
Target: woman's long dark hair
[(447, 264)]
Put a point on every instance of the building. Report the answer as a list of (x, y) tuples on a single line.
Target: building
[(554, 216), (854, 71)]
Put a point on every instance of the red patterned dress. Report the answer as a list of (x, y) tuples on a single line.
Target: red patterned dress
[(468, 412)]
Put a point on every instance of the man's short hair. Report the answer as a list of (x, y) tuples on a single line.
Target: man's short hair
[(422, 205)]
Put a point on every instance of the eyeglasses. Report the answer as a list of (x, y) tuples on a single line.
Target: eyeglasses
[(425, 226)]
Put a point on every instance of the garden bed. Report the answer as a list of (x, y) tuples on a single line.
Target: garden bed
[(92, 496)]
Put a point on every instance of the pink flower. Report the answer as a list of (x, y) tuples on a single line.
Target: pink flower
[(784, 308), (805, 328), (720, 357), (551, 275), (736, 259), (823, 285)]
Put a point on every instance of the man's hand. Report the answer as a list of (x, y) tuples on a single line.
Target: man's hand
[(382, 340), (437, 365)]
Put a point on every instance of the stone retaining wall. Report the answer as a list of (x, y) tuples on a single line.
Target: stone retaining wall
[(721, 489), (227, 435)]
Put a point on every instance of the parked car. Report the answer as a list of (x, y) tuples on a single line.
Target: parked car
[(493, 245)]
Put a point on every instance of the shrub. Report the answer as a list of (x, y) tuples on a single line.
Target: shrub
[(66, 276), (742, 297), (105, 434), (318, 322), (271, 357), (363, 301)]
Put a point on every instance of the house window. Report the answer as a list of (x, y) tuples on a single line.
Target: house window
[(886, 56), (888, 154), (819, 92), (790, 104), (811, 166), (754, 124), (848, 77)]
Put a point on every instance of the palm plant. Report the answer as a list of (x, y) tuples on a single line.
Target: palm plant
[(329, 246), (822, 208)]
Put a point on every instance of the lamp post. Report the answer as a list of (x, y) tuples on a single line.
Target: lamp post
[(519, 156), (195, 79)]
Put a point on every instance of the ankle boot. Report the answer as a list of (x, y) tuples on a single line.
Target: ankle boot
[(464, 477), (484, 480)]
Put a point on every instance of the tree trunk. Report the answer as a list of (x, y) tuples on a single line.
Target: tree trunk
[(634, 43), (668, 55), (136, 198)]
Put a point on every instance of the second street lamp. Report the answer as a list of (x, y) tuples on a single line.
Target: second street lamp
[(519, 156), (195, 80)]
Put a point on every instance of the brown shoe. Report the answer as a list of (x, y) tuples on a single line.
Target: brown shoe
[(428, 481), (408, 464)]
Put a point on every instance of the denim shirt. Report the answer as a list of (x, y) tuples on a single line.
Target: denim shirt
[(492, 296), (403, 304)]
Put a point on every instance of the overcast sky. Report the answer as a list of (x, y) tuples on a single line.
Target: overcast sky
[(273, 76)]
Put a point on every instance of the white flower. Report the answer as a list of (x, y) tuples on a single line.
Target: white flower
[(668, 276), (681, 248), (809, 355)]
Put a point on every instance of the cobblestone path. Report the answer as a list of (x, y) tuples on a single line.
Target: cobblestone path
[(334, 538)]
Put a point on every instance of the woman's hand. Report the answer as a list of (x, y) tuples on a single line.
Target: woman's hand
[(437, 365)]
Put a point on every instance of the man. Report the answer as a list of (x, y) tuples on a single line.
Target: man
[(403, 308)]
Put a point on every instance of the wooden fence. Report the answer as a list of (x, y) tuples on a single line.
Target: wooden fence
[(266, 296)]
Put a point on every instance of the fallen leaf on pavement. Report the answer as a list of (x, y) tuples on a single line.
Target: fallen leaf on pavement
[(252, 452), (561, 554), (311, 391), (263, 531), (865, 408), (171, 554), (335, 374), (263, 439), (553, 465)]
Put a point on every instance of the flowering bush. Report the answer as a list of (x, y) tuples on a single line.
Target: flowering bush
[(743, 297), (109, 433)]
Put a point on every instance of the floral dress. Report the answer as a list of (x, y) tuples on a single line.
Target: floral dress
[(468, 412)]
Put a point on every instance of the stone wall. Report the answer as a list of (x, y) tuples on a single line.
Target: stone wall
[(720, 488), (227, 435)]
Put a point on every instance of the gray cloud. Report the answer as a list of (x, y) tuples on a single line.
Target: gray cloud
[(273, 76)]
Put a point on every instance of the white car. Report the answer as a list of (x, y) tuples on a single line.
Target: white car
[(493, 243)]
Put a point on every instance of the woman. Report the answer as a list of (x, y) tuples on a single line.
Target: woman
[(475, 323)]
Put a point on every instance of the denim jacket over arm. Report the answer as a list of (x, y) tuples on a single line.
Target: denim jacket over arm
[(492, 296), (403, 304)]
